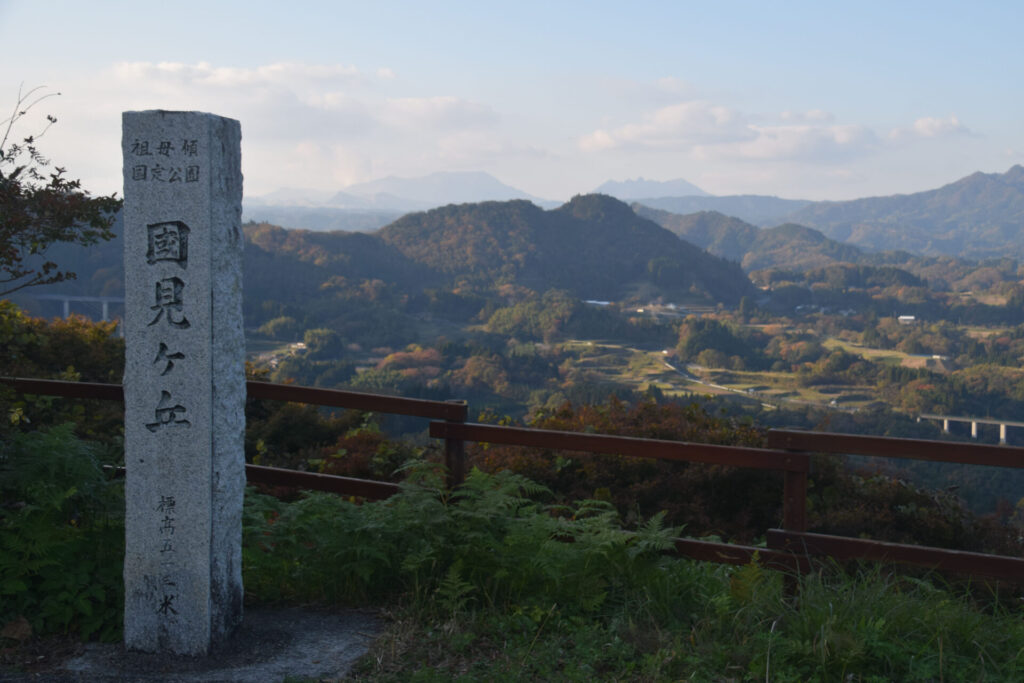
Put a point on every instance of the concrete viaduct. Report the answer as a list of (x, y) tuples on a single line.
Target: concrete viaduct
[(975, 421), (67, 299)]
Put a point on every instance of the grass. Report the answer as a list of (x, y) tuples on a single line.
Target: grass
[(492, 583), (724, 624), (889, 356), (482, 585)]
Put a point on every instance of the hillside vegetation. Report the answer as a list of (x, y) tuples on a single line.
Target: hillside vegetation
[(980, 216), (594, 247), (788, 245)]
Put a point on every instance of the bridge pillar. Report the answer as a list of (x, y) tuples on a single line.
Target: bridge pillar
[(974, 429), (945, 425), (1002, 434)]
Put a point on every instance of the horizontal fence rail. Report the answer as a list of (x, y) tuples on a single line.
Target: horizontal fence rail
[(794, 465), (335, 398), (789, 549), (57, 387), (657, 449), (888, 447), (314, 481), (843, 548), (735, 554)]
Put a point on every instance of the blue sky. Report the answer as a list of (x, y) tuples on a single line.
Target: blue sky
[(797, 99)]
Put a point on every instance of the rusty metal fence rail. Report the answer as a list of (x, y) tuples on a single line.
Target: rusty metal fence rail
[(789, 548)]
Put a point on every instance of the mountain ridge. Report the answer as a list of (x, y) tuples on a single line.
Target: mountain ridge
[(637, 188), (785, 246), (594, 246), (978, 216)]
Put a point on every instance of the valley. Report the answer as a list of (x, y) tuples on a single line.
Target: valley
[(524, 311)]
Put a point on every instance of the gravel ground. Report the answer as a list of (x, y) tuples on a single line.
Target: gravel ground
[(271, 644)]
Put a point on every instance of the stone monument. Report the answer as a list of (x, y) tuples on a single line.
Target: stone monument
[(184, 380)]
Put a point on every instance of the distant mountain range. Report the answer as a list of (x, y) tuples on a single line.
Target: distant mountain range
[(436, 189), (320, 218), (980, 216), (786, 246), (757, 209), (368, 206), (977, 217), (797, 248), (641, 187)]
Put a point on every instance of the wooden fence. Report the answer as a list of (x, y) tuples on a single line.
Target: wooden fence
[(789, 548)]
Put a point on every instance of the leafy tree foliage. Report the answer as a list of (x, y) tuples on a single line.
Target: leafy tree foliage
[(71, 349), (722, 344), (690, 494), (282, 327), (40, 207)]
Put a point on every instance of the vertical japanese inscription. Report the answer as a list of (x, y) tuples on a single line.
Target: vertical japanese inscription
[(184, 382), (166, 590), (167, 244)]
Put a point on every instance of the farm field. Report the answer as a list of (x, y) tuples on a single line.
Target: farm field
[(639, 369)]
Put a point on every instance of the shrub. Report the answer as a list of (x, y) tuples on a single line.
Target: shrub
[(61, 536)]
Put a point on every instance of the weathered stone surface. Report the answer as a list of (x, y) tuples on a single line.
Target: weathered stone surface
[(184, 380)]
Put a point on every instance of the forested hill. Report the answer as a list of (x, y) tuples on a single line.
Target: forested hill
[(298, 266), (785, 246), (979, 216), (594, 246)]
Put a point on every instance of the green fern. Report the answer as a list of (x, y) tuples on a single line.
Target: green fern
[(61, 532), (453, 593)]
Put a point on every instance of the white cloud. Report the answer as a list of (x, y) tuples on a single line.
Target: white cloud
[(811, 116), (713, 132), (678, 125), (316, 125), (442, 112), (274, 101), (931, 127), (205, 73), (287, 100), (790, 143), (673, 85), (472, 149), (597, 141), (315, 164)]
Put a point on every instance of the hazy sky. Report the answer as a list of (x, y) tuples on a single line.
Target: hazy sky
[(816, 100)]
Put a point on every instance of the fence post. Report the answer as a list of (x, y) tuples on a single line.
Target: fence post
[(794, 503), (794, 518), (455, 449)]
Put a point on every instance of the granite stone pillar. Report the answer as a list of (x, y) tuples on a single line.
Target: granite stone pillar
[(184, 381)]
